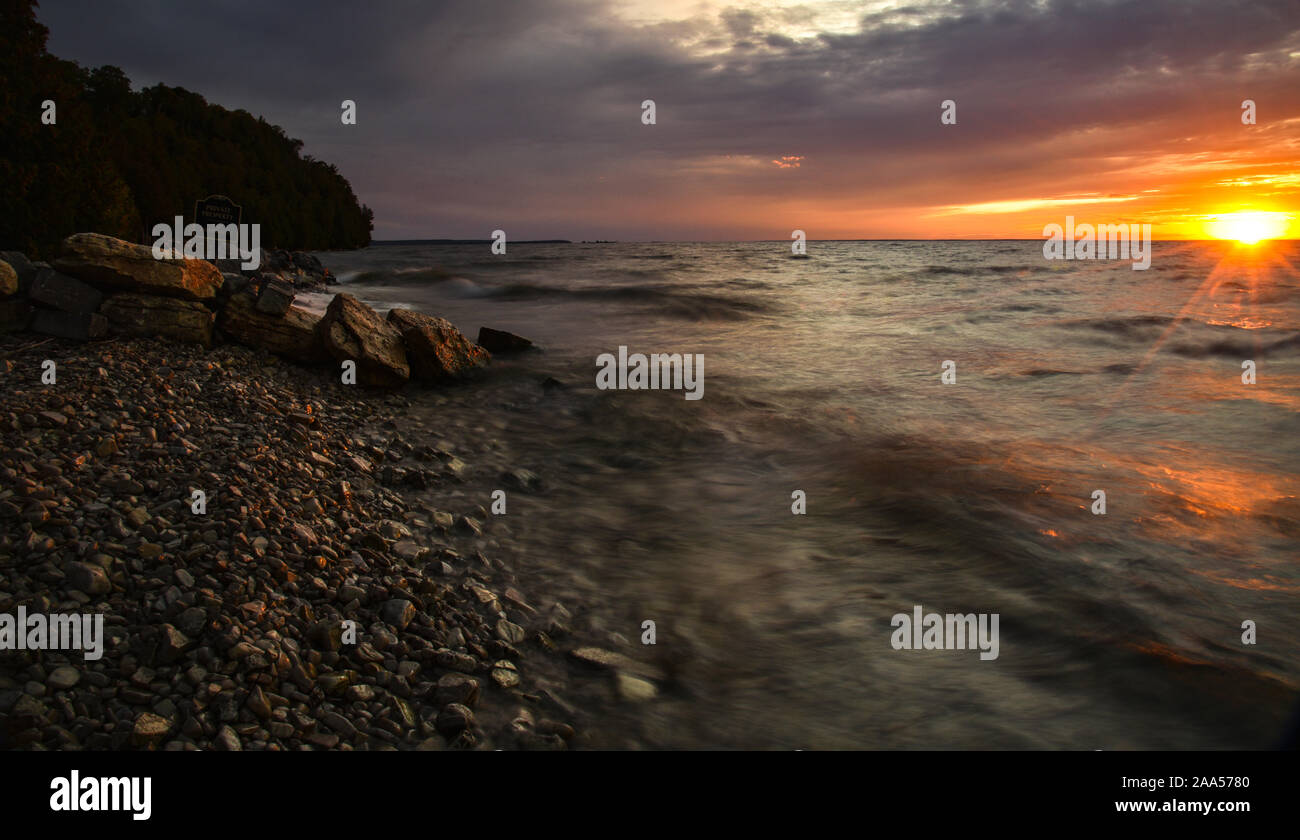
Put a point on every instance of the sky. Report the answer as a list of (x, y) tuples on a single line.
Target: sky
[(477, 115)]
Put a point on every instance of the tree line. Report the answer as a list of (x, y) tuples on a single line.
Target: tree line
[(117, 161)]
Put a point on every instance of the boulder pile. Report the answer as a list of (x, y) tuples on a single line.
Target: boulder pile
[(99, 287)]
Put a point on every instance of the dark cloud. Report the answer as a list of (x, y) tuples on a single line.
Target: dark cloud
[(477, 115)]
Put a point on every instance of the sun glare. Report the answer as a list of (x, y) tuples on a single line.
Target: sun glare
[(1247, 227)]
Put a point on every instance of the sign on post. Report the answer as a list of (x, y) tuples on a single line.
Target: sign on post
[(216, 210)]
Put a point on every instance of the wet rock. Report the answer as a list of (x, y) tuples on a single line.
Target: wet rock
[(524, 480), (602, 658), (505, 674), (457, 688), (454, 718), (409, 550), (437, 351), (508, 631), (634, 689), (500, 341), (227, 740)]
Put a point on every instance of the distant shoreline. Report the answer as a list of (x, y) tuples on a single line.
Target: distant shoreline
[(374, 242), (385, 242)]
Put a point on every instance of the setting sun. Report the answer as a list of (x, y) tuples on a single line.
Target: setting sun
[(1247, 227)]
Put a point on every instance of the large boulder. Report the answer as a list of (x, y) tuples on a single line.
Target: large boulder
[(160, 317), (500, 341), (353, 331), (292, 335), (117, 265), (66, 294), (297, 268), (8, 279), (18, 260), (438, 352)]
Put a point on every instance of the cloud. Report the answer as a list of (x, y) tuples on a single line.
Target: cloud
[(484, 114)]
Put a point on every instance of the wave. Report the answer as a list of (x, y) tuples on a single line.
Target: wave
[(672, 303), (1231, 349), (1132, 326), (395, 276), (974, 271)]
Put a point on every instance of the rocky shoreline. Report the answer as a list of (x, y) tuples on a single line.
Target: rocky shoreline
[(331, 593)]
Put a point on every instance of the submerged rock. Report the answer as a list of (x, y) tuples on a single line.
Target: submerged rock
[(500, 341)]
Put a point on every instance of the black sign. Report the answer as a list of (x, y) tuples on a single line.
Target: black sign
[(216, 210)]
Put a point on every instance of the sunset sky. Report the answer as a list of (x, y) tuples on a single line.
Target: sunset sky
[(825, 116)]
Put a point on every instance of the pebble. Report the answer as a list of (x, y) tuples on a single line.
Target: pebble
[(225, 630), (63, 678)]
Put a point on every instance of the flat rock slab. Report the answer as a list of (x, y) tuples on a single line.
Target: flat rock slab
[(602, 658), (151, 316), (114, 264), (75, 326), (66, 294), (292, 335)]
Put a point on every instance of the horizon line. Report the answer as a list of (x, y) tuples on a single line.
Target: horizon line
[(456, 241)]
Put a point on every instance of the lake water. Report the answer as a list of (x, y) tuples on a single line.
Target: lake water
[(823, 375)]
